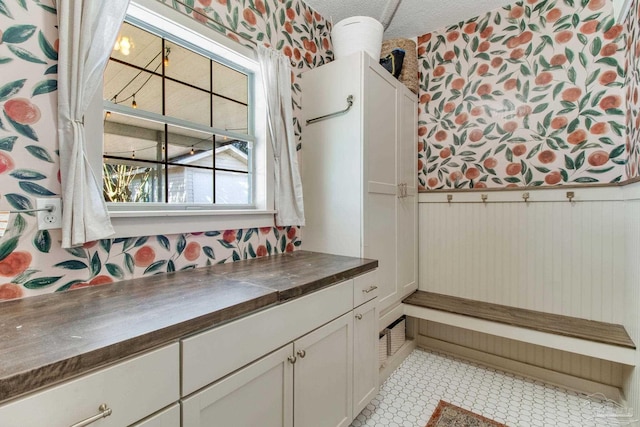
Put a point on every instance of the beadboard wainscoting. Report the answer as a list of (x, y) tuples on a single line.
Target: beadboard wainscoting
[(549, 254), (631, 307)]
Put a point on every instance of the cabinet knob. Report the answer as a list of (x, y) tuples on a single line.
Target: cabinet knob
[(105, 411), (369, 289), (302, 354), (359, 316), (291, 359)]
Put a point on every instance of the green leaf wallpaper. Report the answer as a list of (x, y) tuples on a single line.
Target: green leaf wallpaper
[(531, 94), (31, 261)]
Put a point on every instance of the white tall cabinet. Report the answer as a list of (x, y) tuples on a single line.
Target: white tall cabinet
[(359, 170)]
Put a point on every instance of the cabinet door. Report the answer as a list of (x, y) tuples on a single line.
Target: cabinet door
[(407, 214), (170, 417), (381, 186), (323, 376), (259, 395), (365, 355), (331, 164)]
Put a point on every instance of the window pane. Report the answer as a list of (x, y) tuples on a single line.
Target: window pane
[(232, 188), (230, 83), (190, 185), (232, 155), (132, 137), (123, 84), (138, 47), (131, 148), (184, 102), (190, 147), (188, 66), (230, 115), (130, 181)]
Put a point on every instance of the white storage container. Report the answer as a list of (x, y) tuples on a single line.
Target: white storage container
[(355, 34)]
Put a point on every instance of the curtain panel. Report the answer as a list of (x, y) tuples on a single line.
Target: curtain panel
[(88, 31), (276, 78)]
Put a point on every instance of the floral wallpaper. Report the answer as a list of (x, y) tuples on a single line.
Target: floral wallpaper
[(530, 94), (632, 66), (31, 261)]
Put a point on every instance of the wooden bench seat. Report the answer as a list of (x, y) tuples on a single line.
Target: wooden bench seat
[(591, 338)]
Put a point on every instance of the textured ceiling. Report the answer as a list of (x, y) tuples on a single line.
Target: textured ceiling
[(413, 17)]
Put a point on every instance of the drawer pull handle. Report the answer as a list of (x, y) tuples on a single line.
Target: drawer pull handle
[(291, 359), (359, 316), (105, 411), (302, 354), (370, 289)]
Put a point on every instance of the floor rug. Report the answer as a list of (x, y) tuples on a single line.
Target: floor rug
[(448, 415)]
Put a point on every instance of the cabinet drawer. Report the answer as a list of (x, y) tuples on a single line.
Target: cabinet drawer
[(209, 356), (132, 389), (365, 288)]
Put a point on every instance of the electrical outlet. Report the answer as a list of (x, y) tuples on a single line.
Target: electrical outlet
[(48, 220)]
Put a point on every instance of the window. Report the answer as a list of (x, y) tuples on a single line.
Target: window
[(182, 120), (179, 132)]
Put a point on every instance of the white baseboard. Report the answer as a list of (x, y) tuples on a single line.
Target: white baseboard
[(394, 361), (548, 376)]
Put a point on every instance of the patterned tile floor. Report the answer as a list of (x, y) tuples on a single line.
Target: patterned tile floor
[(411, 394)]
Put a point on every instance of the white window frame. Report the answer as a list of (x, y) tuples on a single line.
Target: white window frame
[(129, 221)]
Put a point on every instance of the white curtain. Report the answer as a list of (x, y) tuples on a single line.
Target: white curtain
[(88, 31), (276, 77)]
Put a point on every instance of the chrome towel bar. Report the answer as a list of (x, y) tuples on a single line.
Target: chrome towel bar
[(337, 113)]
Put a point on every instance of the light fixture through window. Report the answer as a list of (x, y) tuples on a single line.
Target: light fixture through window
[(133, 154), (134, 104), (166, 56), (192, 151), (123, 45)]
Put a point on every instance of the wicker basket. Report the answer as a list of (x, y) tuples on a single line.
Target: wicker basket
[(409, 74), (396, 335)]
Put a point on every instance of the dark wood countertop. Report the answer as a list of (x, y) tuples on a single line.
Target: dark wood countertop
[(50, 338)]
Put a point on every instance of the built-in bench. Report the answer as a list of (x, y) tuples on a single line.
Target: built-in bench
[(587, 337)]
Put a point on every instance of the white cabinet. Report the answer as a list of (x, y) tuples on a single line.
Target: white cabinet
[(210, 355), (258, 395), (169, 417), (314, 371), (407, 208), (359, 170), (320, 379), (365, 355), (132, 390), (323, 376)]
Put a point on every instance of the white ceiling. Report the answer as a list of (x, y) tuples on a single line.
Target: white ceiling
[(413, 17)]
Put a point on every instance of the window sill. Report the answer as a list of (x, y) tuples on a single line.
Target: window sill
[(151, 223)]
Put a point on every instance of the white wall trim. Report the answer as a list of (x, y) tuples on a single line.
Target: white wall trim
[(542, 194), (631, 191), (613, 193), (520, 368)]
